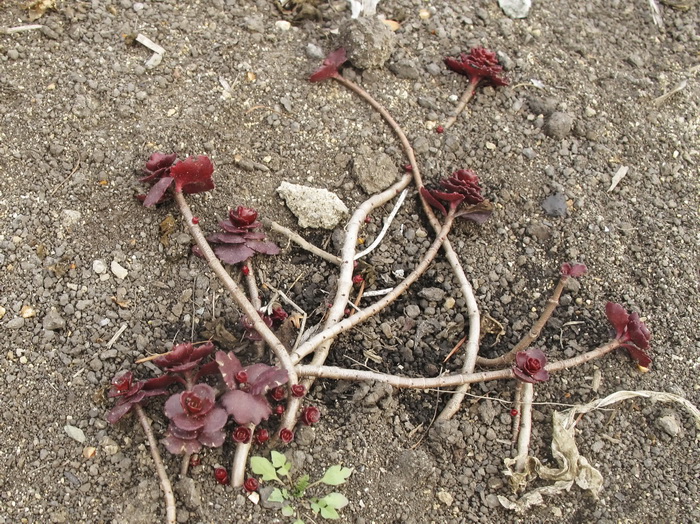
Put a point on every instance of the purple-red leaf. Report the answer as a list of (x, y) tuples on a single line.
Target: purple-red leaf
[(573, 269), (246, 408), (530, 366), (233, 253), (330, 66), (226, 238), (118, 411), (430, 199), (215, 439), (193, 175), (178, 446), (157, 192), (267, 380), (480, 65), (266, 247), (618, 317), (229, 365)]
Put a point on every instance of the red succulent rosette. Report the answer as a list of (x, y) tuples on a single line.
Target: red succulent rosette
[(480, 66), (573, 269), (192, 175), (310, 415), (631, 332), (131, 393), (462, 187), (530, 366), (330, 66), (251, 484), (286, 435), (184, 357), (241, 435)]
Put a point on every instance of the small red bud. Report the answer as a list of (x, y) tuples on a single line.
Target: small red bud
[(195, 460), (251, 484), (262, 436), (513, 412), (279, 409), (310, 415), (357, 279), (241, 435), (368, 219), (221, 476), (408, 168), (298, 390), (195, 220), (245, 270), (347, 312), (277, 393), (241, 377), (439, 129), (286, 435)]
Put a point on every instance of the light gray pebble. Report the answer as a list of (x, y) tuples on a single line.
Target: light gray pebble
[(15, 323), (315, 52), (529, 152), (555, 205), (434, 294), (559, 125), (53, 320), (13, 54), (405, 70), (99, 266), (670, 424), (412, 310)]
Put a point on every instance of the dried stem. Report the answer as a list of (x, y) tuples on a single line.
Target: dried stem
[(463, 101), (457, 379), (472, 346), (185, 464), (517, 402), (170, 508), (525, 427), (252, 285), (531, 335), (371, 310), (240, 459), (238, 296), (301, 242)]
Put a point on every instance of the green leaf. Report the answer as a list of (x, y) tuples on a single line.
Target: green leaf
[(288, 511), (329, 513), (302, 484), (298, 521), (335, 500), (276, 496), (278, 459), (315, 507), (336, 475), (284, 469), (262, 466)]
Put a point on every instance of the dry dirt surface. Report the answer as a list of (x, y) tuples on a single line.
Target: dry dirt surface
[(80, 113)]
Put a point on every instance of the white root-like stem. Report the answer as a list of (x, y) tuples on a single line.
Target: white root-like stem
[(525, 426), (170, 508), (301, 242), (238, 296), (387, 222), (361, 315), (451, 380), (240, 459)]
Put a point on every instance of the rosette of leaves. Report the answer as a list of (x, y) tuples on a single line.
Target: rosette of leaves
[(631, 331), (530, 366), (461, 189), (195, 420), (189, 176), (184, 360), (273, 320), (246, 400), (480, 65), (241, 239), (131, 393)]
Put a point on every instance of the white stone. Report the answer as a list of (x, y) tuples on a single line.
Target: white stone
[(283, 25), (75, 433), (119, 271), (70, 217), (515, 8), (99, 267), (313, 207)]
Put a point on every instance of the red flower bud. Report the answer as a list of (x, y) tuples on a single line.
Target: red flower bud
[(195, 220), (262, 436), (251, 484), (298, 390), (358, 279), (529, 366), (286, 435), (279, 409), (310, 415), (514, 412), (241, 377), (221, 476), (439, 129), (195, 460), (277, 393), (245, 270), (241, 435)]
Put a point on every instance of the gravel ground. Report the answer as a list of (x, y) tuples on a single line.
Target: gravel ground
[(80, 259)]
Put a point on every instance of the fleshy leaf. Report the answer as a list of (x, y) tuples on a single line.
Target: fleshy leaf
[(178, 446), (330, 66), (246, 408), (118, 411), (193, 175), (430, 199), (233, 253), (157, 191), (478, 213), (229, 365), (269, 379), (214, 439), (618, 317), (268, 248)]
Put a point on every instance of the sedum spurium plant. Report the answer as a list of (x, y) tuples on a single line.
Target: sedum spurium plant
[(219, 400), (293, 492)]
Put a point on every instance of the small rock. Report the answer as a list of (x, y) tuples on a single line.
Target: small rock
[(434, 294), (368, 42), (487, 412), (374, 172), (2, 312), (13, 54), (71, 217), (515, 8), (74, 433), (314, 51), (53, 321), (412, 310), (283, 25), (558, 125), (27, 312), (15, 323), (542, 106), (635, 60), (492, 501), (313, 207), (445, 497), (555, 205), (118, 270), (99, 267), (405, 69), (670, 424)]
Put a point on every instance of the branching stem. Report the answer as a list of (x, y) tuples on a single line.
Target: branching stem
[(463, 101)]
